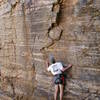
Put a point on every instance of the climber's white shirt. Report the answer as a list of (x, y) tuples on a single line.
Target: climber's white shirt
[(55, 68)]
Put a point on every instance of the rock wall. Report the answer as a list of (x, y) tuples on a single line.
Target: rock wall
[(30, 30)]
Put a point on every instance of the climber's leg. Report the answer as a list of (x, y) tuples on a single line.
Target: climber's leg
[(56, 92), (61, 91)]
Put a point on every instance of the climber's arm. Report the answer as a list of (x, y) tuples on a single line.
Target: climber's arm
[(67, 67)]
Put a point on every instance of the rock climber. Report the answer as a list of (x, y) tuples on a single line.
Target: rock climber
[(57, 69)]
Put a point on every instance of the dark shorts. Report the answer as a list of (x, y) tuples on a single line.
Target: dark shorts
[(59, 79)]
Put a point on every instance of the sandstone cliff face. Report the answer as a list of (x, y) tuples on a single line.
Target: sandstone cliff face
[(32, 29)]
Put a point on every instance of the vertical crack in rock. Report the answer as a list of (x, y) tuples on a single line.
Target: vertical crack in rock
[(29, 4), (27, 37), (26, 31), (55, 30)]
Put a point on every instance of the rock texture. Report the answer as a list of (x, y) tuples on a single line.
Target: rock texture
[(32, 29)]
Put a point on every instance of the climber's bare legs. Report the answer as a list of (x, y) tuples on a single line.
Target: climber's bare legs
[(61, 91), (56, 92)]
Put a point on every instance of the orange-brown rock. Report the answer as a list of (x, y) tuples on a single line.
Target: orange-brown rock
[(30, 30)]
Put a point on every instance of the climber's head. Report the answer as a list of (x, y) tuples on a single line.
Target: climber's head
[(52, 59)]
